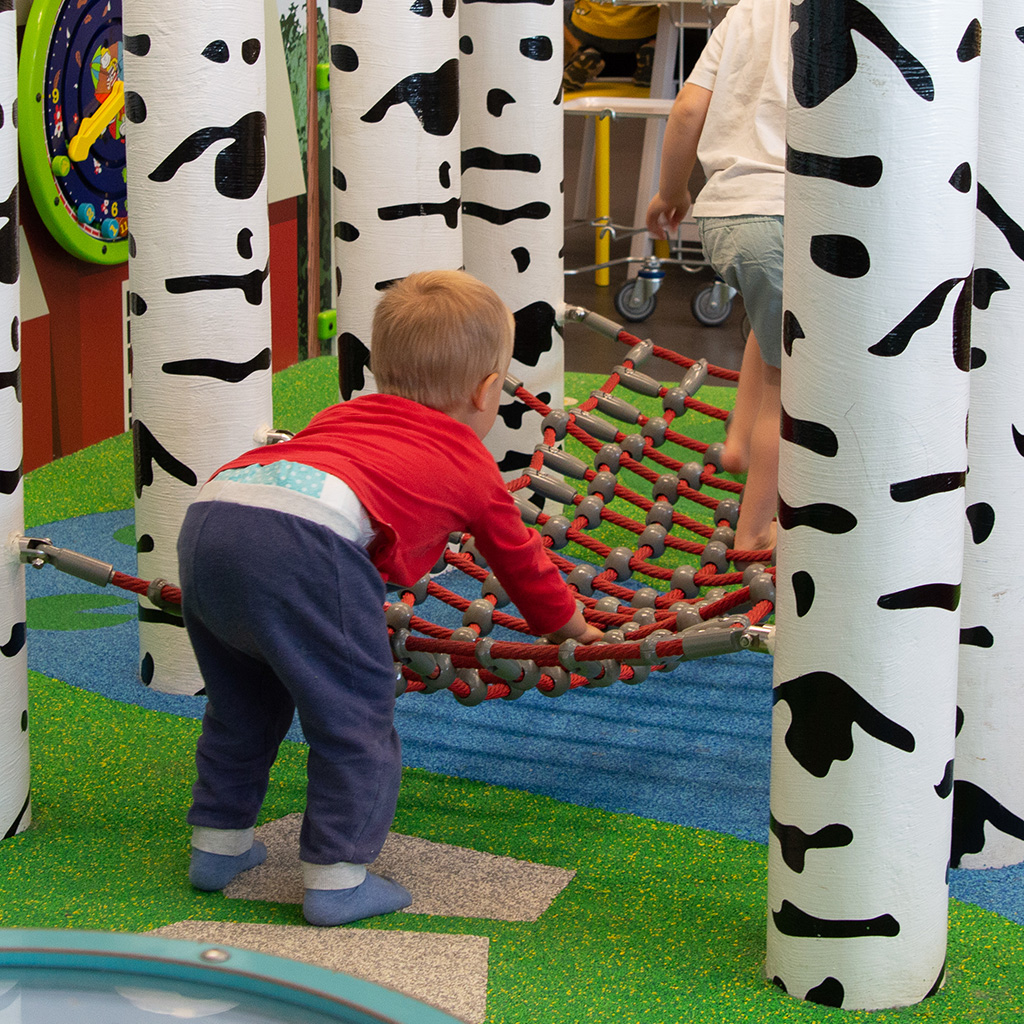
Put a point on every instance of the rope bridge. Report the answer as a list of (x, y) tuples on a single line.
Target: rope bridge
[(666, 597)]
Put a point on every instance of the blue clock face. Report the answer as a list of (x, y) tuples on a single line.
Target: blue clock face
[(71, 98)]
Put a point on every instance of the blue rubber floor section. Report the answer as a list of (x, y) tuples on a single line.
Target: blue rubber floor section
[(691, 747)]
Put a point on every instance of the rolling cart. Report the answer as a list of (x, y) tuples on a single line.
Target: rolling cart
[(636, 299)]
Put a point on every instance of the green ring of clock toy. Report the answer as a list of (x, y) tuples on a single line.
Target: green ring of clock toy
[(71, 123)]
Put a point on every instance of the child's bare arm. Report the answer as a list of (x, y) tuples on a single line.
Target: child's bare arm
[(678, 156)]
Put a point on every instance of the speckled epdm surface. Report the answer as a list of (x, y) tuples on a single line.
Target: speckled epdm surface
[(664, 920)]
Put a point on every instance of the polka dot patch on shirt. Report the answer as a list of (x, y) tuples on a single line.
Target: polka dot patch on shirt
[(293, 475)]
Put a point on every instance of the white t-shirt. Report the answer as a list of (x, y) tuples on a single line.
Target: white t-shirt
[(743, 145)]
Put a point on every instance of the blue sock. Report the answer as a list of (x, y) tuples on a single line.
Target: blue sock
[(374, 895), (212, 871)]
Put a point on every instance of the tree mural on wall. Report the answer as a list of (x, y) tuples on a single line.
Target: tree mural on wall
[(293, 35)]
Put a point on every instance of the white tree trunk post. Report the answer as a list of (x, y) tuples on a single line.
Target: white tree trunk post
[(15, 799), (513, 225), (395, 158), (198, 275), (882, 136), (988, 804)]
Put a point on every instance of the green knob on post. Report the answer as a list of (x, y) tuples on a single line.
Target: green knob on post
[(327, 324)]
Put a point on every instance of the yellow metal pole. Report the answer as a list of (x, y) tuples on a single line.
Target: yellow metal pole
[(602, 195)]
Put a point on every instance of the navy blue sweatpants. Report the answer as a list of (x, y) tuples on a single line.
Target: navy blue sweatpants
[(285, 614)]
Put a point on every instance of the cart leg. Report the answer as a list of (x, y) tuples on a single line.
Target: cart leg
[(602, 197), (585, 174)]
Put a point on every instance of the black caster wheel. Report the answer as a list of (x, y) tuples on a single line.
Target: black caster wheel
[(631, 304), (712, 305)]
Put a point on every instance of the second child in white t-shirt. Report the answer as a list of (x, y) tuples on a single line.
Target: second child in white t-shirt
[(731, 115)]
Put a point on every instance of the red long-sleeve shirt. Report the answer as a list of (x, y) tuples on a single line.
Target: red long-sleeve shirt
[(422, 475)]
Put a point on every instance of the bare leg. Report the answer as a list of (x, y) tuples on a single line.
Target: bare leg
[(736, 457), (756, 529)]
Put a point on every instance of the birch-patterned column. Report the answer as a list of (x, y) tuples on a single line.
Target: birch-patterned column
[(882, 136), (198, 273), (988, 804), (395, 157), (512, 227), (15, 800)]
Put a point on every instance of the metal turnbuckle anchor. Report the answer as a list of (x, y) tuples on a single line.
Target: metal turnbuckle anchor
[(38, 551)]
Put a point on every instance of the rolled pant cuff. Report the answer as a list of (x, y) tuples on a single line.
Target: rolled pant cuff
[(342, 875), (227, 841)]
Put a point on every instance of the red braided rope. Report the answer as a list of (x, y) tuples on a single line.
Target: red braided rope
[(169, 593)]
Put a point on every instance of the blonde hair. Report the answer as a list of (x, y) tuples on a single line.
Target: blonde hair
[(436, 335)]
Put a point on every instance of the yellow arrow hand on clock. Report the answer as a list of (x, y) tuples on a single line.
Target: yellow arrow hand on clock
[(94, 126)]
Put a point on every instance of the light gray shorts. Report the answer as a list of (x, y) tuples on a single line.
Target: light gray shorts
[(746, 252)]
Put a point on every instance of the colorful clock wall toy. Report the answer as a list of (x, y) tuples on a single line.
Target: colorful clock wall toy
[(71, 124)]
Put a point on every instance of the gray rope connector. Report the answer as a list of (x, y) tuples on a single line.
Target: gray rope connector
[(640, 351), (617, 407), (558, 421), (417, 589), (548, 486), (596, 427), (521, 675), (561, 461), (38, 551), (155, 594), (638, 382), (557, 528), (477, 687), (422, 663), (560, 678), (717, 636), (528, 512), (602, 483)]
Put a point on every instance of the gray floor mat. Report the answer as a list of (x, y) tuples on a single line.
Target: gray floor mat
[(446, 881)]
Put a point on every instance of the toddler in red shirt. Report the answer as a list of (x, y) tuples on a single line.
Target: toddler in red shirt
[(283, 558)]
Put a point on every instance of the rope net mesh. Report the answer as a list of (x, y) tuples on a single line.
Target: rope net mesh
[(644, 538)]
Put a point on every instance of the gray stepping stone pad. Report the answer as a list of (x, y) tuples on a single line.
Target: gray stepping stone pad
[(446, 881), (447, 971)]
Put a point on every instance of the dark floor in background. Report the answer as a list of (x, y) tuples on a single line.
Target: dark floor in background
[(672, 324)]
